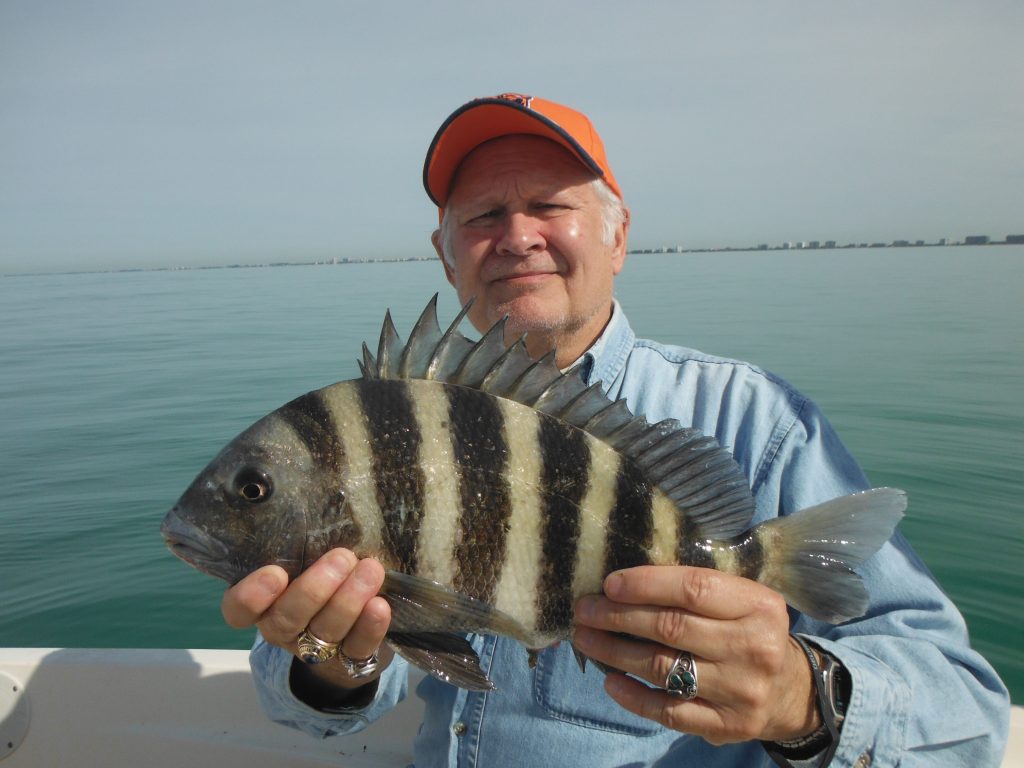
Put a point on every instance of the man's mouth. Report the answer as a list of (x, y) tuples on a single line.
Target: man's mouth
[(523, 277)]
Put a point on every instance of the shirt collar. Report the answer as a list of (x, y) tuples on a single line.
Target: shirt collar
[(607, 355)]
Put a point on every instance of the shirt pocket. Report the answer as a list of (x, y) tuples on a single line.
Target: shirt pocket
[(566, 694)]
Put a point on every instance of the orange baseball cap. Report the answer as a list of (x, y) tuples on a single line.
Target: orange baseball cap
[(483, 119)]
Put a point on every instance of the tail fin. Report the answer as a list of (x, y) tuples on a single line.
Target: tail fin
[(812, 553)]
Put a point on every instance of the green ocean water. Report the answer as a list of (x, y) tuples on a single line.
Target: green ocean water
[(117, 388)]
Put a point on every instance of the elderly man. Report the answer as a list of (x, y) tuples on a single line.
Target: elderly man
[(534, 227)]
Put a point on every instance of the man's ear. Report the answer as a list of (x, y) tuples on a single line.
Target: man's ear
[(621, 238), (435, 240)]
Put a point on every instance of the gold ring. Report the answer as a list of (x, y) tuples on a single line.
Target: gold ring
[(313, 650)]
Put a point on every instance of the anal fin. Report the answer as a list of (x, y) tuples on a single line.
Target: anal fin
[(449, 658), (582, 659)]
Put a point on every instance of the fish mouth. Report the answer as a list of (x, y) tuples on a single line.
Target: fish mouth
[(197, 548)]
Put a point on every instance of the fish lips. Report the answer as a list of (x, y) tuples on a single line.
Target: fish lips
[(198, 548)]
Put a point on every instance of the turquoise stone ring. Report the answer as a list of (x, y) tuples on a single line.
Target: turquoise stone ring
[(682, 678)]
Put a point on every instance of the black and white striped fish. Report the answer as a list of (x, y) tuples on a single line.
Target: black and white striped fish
[(496, 490)]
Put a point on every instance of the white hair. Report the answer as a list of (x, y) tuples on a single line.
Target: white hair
[(613, 215)]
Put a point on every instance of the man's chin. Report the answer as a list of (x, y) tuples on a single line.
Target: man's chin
[(527, 312)]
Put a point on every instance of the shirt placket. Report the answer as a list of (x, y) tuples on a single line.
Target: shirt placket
[(468, 722)]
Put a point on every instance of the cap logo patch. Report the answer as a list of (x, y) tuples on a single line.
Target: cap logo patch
[(518, 98)]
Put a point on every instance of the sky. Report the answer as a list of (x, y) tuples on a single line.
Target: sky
[(154, 134)]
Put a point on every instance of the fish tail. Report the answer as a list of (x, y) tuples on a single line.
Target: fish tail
[(809, 556)]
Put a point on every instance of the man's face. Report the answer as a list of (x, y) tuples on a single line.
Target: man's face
[(526, 240)]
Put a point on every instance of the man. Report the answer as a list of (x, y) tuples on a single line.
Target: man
[(534, 227)]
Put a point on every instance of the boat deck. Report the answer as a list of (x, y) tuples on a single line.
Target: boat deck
[(155, 708)]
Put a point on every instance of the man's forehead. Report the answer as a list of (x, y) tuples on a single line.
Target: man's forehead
[(544, 160)]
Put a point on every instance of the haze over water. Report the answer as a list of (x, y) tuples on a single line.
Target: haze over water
[(117, 388)]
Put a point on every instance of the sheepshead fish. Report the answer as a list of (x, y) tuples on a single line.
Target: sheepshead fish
[(496, 490)]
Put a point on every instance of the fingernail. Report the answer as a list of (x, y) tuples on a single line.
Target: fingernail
[(585, 608), (614, 684), (270, 583), (613, 584), (341, 563), (582, 638)]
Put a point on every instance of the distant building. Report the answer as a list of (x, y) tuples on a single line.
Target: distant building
[(901, 243), (1015, 239), (830, 243), (943, 241), (814, 244), (919, 242), (976, 240)]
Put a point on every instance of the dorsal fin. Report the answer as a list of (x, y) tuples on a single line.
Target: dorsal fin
[(690, 467)]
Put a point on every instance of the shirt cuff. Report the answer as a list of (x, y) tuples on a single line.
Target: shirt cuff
[(271, 668), (874, 728)]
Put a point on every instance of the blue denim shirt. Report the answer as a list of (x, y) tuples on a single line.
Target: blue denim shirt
[(921, 696)]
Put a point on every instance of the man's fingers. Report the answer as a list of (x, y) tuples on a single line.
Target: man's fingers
[(306, 596), (702, 591), (649, 661), (342, 615), (245, 602), (367, 634), (697, 716)]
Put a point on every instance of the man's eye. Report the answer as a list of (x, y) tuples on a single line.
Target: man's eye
[(486, 216)]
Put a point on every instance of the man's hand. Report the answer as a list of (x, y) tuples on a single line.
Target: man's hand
[(335, 598), (754, 681)]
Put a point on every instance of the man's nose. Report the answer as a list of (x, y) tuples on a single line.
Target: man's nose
[(522, 235)]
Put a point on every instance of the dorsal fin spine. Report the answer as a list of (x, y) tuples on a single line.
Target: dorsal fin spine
[(515, 355), (524, 389), (388, 347), (369, 365), (445, 347), (476, 365), (425, 334)]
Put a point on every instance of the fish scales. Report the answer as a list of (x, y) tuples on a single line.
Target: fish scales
[(496, 490)]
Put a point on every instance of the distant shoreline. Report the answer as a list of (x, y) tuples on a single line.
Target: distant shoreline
[(797, 246)]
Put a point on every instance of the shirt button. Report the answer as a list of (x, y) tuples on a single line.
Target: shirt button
[(459, 728)]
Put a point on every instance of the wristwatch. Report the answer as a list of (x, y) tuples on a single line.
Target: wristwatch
[(833, 687)]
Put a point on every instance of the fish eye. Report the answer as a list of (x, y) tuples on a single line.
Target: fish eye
[(253, 485)]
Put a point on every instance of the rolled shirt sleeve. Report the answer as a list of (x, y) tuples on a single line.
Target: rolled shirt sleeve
[(917, 684), (271, 667)]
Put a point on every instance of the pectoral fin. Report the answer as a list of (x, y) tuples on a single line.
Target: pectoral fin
[(419, 605)]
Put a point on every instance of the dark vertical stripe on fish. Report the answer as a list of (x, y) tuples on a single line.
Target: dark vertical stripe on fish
[(481, 455), (751, 555), (312, 421), (394, 441), (630, 526), (565, 457), (691, 550), (697, 553)]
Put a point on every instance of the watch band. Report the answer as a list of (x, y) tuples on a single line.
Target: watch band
[(832, 688)]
